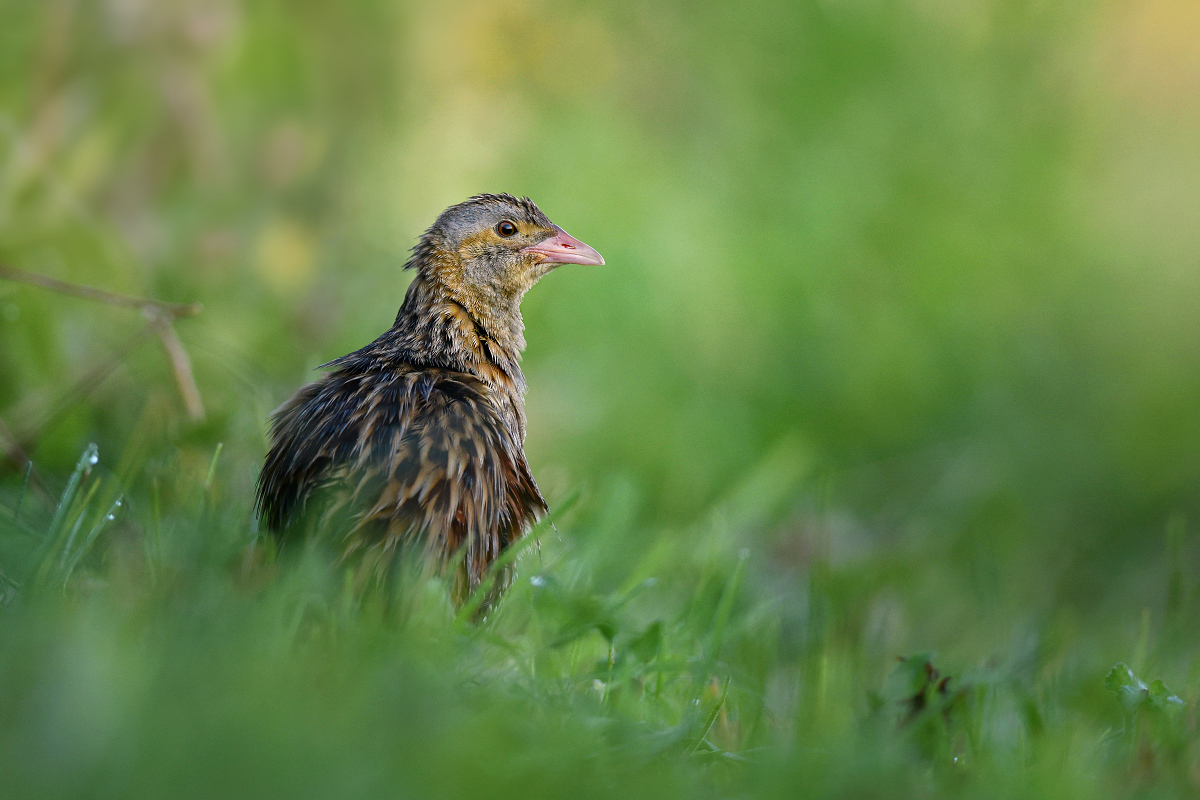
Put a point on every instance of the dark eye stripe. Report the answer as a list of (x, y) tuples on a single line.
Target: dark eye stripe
[(506, 229)]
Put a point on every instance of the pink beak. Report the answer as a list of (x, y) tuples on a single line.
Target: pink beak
[(562, 248)]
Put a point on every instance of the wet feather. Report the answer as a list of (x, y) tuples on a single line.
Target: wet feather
[(416, 440)]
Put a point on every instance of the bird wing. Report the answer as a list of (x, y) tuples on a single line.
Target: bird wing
[(407, 456)]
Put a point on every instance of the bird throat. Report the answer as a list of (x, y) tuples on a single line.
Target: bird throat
[(440, 327), (455, 329)]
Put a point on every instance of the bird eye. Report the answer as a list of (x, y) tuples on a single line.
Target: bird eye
[(506, 229)]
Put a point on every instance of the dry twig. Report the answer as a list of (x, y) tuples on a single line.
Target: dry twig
[(160, 318), (157, 308)]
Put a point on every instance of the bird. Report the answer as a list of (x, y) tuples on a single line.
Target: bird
[(415, 442)]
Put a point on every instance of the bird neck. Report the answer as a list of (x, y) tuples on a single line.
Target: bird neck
[(440, 326)]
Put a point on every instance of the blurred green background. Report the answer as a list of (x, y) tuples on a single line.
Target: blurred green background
[(898, 329)]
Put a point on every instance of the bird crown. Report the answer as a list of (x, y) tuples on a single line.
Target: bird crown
[(468, 212)]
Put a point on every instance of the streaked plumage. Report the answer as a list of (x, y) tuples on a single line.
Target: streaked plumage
[(417, 438)]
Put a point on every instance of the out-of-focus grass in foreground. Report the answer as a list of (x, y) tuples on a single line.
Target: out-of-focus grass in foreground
[(194, 663), (874, 450)]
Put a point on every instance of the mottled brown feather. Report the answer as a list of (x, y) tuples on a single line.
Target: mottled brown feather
[(416, 439)]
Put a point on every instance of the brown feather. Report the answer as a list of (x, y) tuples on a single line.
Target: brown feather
[(416, 440)]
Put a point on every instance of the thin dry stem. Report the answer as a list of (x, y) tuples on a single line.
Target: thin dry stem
[(181, 366), (159, 317), (153, 308)]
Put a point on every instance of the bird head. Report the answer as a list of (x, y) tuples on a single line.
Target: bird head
[(491, 249)]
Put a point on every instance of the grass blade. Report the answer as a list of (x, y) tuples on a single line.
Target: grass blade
[(511, 553), (100, 525), (90, 457), (21, 496), (725, 608)]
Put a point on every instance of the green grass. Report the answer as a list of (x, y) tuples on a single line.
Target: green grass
[(895, 355), (169, 652)]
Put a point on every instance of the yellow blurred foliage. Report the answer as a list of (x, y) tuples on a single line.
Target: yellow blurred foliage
[(1154, 52), (284, 256)]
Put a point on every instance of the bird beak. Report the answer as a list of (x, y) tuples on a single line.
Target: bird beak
[(562, 248)]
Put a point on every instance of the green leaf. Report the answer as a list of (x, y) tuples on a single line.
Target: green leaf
[(1135, 693), (646, 646), (910, 677), (1122, 682), (1162, 697)]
